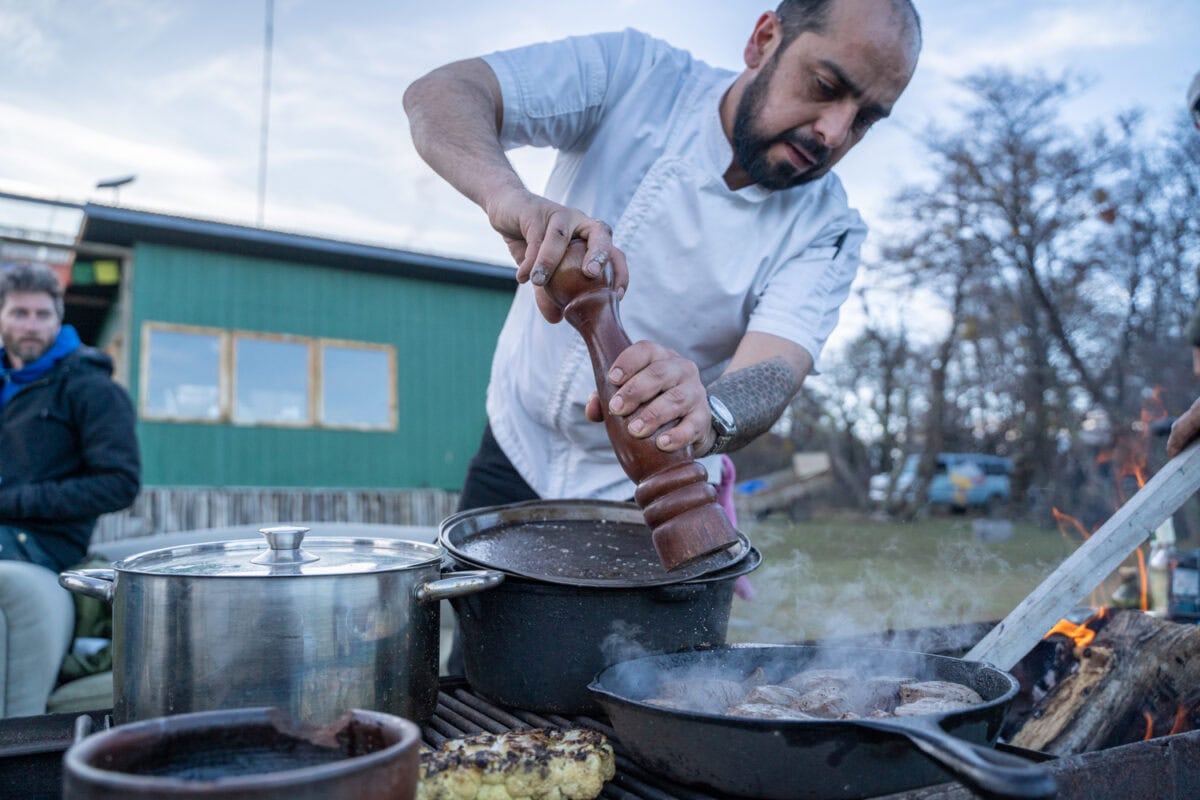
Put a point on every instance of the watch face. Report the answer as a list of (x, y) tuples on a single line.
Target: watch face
[(722, 418)]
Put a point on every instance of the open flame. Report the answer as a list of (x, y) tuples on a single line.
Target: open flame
[(1181, 724), (1129, 455), (1082, 634)]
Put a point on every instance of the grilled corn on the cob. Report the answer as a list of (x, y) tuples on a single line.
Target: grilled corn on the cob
[(519, 765)]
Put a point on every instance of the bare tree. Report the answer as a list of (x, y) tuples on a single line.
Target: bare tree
[(1062, 267), (1002, 236)]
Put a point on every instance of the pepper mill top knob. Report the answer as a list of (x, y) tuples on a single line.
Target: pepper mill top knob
[(570, 282)]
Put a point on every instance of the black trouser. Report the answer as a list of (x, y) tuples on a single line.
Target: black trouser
[(491, 480)]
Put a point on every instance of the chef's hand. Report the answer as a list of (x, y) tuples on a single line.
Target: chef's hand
[(1184, 430), (657, 387), (537, 232)]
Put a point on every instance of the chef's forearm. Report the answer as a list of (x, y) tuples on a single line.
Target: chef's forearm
[(756, 395), (454, 116)]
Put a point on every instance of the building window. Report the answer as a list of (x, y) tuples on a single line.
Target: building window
[(194, 374), (271, 380), (357, 386), (181, 373)]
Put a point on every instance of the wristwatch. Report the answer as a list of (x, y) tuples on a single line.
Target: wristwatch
[(724, 425)]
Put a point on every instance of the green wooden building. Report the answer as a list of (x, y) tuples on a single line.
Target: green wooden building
[(265, 361)]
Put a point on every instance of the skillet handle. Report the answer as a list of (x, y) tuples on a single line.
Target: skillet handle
[(989, 772)]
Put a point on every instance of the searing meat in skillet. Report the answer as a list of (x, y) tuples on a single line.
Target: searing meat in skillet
[(942, 690), (766, 711), (774, 695), (816, 694), (757, 678), (935, 697), (820, 679), (702, 694), (828, 702), (929, 705)]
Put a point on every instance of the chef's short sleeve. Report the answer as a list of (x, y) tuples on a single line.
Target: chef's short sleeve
[(555, 92), (801, 300)]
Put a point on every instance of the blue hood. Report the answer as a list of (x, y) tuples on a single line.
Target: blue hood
[(17, 379)]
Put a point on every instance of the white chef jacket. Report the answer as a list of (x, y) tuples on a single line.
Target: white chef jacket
[(637, 126)]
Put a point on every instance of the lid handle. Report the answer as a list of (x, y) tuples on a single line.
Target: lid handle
[(283, 547)]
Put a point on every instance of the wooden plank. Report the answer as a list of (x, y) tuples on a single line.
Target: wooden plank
[(1067, 586), (160, 509)]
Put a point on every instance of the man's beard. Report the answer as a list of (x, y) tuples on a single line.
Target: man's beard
[(28, 349), (750, 148)]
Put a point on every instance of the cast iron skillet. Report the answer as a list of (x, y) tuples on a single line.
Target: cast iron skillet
[(817, 759), (572, 542)]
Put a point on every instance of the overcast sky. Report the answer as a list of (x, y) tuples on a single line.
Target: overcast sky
[(171, 90)]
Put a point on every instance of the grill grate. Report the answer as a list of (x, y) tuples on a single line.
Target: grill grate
[(461, 712)]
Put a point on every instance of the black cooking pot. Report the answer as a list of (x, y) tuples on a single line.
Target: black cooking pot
[(583, 588), (537, 645), (826, 759)]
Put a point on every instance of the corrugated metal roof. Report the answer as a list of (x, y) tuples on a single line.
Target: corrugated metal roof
[(126, 227)]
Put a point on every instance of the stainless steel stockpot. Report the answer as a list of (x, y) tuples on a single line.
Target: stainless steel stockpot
[(341, 623)]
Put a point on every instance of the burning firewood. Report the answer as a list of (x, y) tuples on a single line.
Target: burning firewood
[(1138, 678)]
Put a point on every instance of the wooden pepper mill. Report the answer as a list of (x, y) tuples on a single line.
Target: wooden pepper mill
[(679, 504)]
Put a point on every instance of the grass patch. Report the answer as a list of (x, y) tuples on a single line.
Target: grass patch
[(849, 574)]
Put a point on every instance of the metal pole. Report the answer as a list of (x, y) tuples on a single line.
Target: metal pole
[(266, 110)]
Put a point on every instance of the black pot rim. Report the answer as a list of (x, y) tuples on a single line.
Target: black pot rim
[(744, 566), (78, 760), (717, 565)]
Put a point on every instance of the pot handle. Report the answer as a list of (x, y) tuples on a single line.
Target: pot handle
[(85, 726), (97, 583), (456, 584), (992, 772)]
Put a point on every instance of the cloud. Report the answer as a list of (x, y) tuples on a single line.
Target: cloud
[(37, 36), (23, 44), (1044, 36), (228, 84), (172, 92), (47, 150)]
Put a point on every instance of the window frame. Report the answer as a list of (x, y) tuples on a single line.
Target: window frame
[(227, 377), (319, 369), (223, 345), (311, 374)]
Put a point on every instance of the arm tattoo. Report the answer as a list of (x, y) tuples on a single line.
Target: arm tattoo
[(756, 396)]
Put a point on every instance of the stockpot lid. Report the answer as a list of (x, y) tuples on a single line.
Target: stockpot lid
[(281, 555)]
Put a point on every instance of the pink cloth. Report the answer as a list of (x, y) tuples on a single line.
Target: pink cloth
[(742, 586), (725, 488)]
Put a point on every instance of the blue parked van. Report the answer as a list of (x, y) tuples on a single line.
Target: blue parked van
[(961, 481)]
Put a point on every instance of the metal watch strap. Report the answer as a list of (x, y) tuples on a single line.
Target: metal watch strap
[(723, 425)]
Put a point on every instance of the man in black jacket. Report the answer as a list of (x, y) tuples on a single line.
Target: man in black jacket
[(68, 450)]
